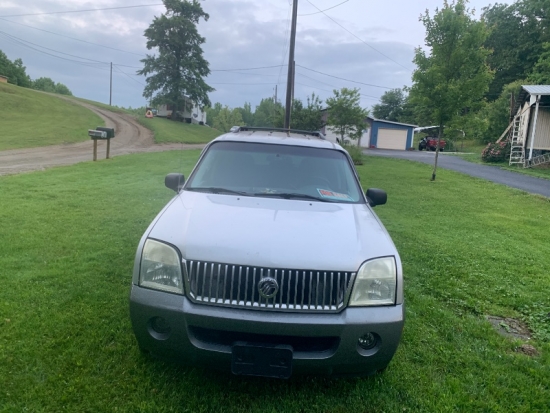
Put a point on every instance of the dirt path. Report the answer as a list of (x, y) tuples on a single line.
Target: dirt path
[(130, 137)]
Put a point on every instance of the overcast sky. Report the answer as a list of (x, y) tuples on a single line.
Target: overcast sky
[(365, 41)]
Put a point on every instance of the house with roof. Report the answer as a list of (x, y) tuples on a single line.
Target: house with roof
[(381, 134), (529, 131)]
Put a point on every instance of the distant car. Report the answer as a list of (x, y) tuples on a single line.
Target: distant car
[(269, 261), (430, 143)]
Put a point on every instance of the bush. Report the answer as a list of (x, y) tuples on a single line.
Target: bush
[(496, 152), (356, 154)]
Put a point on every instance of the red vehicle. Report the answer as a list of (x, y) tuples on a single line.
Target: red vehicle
[(430, 143)]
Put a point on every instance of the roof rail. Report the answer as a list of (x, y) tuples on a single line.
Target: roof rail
[(237, 129)]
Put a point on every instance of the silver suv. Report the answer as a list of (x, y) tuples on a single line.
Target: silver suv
[(270, 260)]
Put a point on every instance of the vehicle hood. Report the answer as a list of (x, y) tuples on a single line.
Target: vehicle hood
[(272, 232)]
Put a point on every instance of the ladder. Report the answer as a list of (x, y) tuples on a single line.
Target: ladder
[(517, 151), (538, 160)]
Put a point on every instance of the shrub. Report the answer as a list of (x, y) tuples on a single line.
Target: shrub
[(496, 152), (356, 154)]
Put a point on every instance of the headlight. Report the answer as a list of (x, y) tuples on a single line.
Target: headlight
[(375, 283), (160, 268)]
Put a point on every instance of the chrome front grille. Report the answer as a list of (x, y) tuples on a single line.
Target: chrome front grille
[(237, 286)]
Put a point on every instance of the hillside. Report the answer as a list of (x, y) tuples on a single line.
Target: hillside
[(32, 119)]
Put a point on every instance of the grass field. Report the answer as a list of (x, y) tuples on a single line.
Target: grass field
[(165, 130), (469, 248), (31, 119), (168, 131)]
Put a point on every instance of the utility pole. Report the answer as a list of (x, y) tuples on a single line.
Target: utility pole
[(111, 86), (275, 94), (290, 78)]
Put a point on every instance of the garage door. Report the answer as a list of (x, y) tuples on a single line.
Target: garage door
[(392, 139)]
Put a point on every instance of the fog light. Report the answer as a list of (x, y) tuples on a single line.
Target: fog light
[(367, 341), (160, 325)]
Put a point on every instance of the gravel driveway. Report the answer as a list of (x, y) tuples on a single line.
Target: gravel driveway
[(526, 183), (130, 137)]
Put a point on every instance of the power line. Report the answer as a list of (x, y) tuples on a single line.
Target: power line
[(247, 68), (83, 10), (347, 80), (73, 38), (358, 38), (124, 73), (322, 11), (88, 64)]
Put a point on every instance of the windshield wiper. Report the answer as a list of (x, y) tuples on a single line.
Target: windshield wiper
[(291, 195), (216, 190)]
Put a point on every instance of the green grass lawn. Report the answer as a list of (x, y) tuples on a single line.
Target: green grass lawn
[(469, 249), (31, 119), (168, 131)]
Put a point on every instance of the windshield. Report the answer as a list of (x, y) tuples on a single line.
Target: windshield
[(290, 172)]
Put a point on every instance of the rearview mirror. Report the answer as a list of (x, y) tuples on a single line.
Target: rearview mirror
[(376, 196), (174, 181)]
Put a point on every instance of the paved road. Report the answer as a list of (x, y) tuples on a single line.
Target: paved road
[(526, 183)]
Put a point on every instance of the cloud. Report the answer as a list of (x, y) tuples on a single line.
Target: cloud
[(239, 34)]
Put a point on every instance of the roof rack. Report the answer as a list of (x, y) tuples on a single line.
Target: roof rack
[(237, 129)]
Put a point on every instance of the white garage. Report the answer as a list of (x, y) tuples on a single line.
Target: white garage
[(392, 139)]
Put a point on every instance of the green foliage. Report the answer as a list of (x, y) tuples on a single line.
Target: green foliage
[(247, 114), (453, 74), (48, 85), (269, 114), (390, 106), (496, 152), (345, 115), (309, 117), (515, 39), (14, 71), (497, 113), (176, 75), (227, 118), (356, 153), (32, 119), (541, 72)]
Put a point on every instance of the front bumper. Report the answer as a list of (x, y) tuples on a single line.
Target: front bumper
[(323, 343)]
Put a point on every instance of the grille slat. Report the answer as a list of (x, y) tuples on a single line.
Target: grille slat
[(235, 286)]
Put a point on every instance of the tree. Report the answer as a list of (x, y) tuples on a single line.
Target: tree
[(541, 72), (48, 85), (227, 118), (61, 89), (309, 117), (345, 115), (497, 112), (246, 113), (390, 106), (14, 71), (515, 39), (178, 70), (269, 114), (453, 75), (45, 84)]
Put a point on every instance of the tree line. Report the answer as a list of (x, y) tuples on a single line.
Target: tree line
[(16, 73)]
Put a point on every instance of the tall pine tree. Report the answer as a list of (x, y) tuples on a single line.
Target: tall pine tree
[(175, 75)]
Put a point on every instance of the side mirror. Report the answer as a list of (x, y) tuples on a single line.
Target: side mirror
[(174, 181), (376, 197)]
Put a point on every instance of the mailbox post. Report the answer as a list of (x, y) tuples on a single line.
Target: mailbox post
[(103, 134)]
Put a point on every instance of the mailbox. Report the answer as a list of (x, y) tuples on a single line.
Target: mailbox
[(97, 134), (110, 131)]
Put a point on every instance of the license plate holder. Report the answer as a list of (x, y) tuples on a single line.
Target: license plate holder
[(252, 359)]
